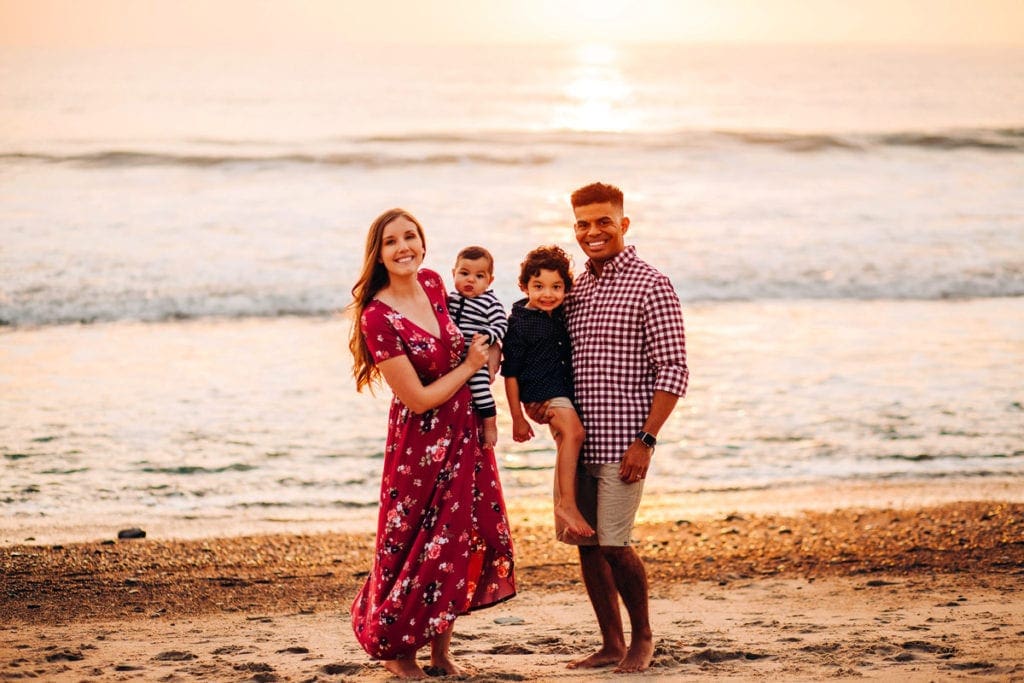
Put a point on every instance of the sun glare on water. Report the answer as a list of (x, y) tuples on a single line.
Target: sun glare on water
[(596, 92)]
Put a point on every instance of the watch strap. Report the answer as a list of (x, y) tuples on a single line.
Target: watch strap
[(647, 439)]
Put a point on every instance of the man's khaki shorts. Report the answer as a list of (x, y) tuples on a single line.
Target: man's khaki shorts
[(607, 503)]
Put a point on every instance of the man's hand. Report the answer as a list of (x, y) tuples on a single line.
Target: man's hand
[(635, 462)]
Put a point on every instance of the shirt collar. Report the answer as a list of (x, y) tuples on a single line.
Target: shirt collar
[(557, 313), (617, 264)]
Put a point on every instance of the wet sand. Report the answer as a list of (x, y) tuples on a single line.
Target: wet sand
[(922, 593)]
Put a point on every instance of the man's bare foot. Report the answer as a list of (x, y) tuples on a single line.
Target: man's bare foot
[(446, 666), (404, 668), (638, 657), (603, 657), (490, 431), (573, 520)]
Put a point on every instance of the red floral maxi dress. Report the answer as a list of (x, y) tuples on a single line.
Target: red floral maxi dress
[(443, 545)]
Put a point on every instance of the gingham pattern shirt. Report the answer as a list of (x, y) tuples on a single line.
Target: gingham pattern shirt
[(628, 340)]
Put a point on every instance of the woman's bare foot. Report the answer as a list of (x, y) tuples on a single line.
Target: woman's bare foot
[(638, 657), (447, 667), (404, 668), (603, 657), (573, 520)]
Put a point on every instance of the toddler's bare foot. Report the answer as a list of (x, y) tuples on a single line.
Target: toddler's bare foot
[(573, 520)]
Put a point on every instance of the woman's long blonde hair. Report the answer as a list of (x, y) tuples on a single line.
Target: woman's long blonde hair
[(372, 279)]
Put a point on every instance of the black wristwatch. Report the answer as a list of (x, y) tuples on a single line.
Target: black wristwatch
[(647, 439)]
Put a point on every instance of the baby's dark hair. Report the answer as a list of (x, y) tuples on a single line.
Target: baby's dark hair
[(473, 253), (546, 258)]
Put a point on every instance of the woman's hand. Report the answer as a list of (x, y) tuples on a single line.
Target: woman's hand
[(478, 352)]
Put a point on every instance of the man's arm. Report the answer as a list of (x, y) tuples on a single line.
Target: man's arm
[(637, 458), (666, 343), (666, 338)]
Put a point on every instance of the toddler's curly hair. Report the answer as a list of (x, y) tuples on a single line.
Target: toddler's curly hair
[(549, 257)]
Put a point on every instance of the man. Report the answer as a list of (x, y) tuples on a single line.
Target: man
[(629, 363)]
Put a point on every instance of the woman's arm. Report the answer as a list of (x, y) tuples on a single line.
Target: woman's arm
[(400, 375)]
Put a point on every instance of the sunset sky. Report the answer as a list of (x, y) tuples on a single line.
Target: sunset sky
[(316, 23)]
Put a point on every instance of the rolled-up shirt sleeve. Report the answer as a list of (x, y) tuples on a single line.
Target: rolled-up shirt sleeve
[(666, 338)]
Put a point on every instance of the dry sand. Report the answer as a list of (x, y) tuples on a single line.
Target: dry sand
[(921, 594)]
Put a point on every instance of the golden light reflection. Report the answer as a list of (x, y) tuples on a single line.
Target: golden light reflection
[(596, 91), (596, 53)]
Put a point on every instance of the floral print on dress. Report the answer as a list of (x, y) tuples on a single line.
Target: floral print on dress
[(443, 544)]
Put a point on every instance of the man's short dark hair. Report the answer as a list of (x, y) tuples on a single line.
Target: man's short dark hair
[(597, 193)]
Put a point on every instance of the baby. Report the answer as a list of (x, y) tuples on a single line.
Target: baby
[(538, 367), (475, 309)]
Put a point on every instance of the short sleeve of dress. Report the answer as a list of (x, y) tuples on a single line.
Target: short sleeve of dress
[(434, 287), (378, 328)]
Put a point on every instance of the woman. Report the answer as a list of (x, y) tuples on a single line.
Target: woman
[(443, 546)]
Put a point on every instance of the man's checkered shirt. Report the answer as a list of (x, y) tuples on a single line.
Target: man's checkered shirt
[(628, 340)]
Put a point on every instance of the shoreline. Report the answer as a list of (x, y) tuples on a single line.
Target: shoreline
[(656, 507), (914, 593)]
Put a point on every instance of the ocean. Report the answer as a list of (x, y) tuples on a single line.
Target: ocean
[(180, 233)]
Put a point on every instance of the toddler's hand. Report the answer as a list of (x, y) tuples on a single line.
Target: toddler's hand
[(521, 431)]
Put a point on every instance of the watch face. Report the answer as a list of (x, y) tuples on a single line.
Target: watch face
[(647, 439)]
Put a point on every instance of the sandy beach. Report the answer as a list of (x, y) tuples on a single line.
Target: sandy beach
[(891, 593)]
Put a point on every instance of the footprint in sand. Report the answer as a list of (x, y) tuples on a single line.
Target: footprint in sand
[(511, 649), (343, 669), (174, 656), (65, 656)]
